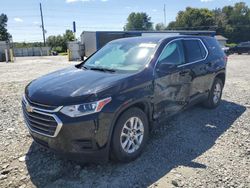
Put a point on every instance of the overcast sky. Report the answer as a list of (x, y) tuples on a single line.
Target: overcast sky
[(24, 16)]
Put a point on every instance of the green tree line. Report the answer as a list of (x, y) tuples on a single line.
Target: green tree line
[(57, 43), (232, 22)]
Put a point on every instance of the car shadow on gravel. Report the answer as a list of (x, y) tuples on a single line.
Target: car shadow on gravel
[(177, 142)]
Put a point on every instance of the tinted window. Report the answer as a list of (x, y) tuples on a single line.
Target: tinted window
[(203, 51), (172, 53), (213, 46), (195, 50)]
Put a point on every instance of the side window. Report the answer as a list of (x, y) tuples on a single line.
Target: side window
[(195, 50), (214, 46), (203, 51), (173, 53)]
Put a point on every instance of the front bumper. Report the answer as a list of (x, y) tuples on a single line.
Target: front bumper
[(83, 139), (80, 150)]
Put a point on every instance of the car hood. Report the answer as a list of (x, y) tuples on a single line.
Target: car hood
[(71, 86)]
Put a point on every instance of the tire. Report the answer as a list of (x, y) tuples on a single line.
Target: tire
[(125, 147), (214, 97)]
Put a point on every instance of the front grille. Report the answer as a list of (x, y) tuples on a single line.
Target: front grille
[(40, 122), (41, 106)]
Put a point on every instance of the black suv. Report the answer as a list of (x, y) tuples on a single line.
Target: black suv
[(243, 47), (106, 105)]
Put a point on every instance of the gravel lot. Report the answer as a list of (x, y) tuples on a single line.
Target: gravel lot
[(197, 148)]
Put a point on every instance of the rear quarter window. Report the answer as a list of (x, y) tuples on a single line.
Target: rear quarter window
[(203, 51), (214, 46)]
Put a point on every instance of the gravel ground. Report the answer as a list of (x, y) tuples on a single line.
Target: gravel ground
[(197, 148)]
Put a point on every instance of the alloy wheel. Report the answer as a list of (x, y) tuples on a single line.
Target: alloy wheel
[(217, 93), (132, 135)]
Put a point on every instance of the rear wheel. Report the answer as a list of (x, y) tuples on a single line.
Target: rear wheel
[(215, 93), (130, 135)]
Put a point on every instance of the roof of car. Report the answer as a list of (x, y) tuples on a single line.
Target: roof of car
[(155, 38), (148, 39)]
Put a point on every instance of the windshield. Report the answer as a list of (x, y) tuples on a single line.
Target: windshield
[(122, 56)]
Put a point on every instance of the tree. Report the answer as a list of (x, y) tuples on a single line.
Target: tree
[(160, 27), (138, 21), (59, 43), (220, 20), (56, 43), (69, 35), (4, 35), (193, 19), (234, 22)]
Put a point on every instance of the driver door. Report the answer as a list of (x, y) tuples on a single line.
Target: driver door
[(172, 81)]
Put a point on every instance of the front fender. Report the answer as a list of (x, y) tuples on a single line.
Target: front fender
[(139, 95)]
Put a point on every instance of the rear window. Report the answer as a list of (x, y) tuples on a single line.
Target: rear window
[(213, 46), (195, 50)]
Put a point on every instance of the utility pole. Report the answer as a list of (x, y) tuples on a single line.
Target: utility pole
[(74, 29), (164, 9), (41, 11)]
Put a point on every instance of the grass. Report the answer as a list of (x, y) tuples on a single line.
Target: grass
[(230, 45), (63, 53)]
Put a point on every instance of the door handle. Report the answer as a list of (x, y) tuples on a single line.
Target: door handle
[(183, 73)]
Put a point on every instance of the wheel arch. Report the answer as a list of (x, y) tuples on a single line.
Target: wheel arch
[(144, 105), (222, 77)]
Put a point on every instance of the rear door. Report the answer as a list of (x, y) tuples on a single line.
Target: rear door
[(196, 54), (172, 82)]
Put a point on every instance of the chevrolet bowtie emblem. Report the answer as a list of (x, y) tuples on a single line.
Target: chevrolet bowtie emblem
[(29, 108)]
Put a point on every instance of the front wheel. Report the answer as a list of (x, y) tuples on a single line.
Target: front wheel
[(215, 93), (130, 135)]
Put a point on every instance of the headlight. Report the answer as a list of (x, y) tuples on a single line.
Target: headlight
[(84, 109)]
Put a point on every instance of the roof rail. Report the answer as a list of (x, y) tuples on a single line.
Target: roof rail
[(181, 32)]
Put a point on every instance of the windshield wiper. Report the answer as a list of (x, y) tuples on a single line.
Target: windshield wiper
[(102, 69), (85, 67)]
